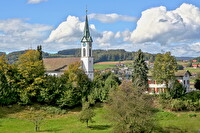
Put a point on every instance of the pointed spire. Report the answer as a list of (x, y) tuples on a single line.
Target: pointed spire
[(86, 36)]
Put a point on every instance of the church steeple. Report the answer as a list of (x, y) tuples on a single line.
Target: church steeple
[(86, 36), (86, 51)]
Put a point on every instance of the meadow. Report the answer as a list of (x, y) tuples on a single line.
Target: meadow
[(12, 120)]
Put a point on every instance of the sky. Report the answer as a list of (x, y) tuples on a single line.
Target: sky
[(154, 26)]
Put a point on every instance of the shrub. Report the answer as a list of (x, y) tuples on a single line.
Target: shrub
[(192, 115), (194, 96), (177, 105), (54, 110)]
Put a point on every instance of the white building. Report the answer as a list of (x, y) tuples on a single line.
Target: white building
[(182, 76)]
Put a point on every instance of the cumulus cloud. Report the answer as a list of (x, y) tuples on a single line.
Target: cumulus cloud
[(35, 1), (111, 18), (68, 31), (16, 34), (165, 27)]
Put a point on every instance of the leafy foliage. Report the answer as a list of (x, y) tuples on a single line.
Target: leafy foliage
[(86, 114), (8, 83), (103, 84), (177, 89), (164, 68), (32, 70), (130, 111), (197, 81)]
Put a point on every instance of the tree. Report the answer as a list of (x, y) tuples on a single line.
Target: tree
[(164, 68), (197, 81), (36, 117), (8, 82), (180, 67), (177, 89), (103, 84), (39, 49), (129, 110), (197, 84), (32, 70), (77, 86), (86, 114), (140, 70)]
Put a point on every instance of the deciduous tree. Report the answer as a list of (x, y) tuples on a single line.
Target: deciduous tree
[(32, 70), (86, 114), (164, 68), (130, 111)]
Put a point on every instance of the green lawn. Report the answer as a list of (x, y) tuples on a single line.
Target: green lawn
[(179, 122), (103, 66), (68, 123), (192, 70), (13, 122)]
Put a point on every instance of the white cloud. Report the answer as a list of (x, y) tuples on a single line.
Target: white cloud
[(111, 18), (166, 27), (68, 31), (16, 34), (35, 1)]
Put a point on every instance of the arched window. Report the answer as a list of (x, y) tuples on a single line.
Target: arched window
[(90, 52), (83, 51)]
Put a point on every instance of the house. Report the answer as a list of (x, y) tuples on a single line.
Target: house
[(194, 60), (195, 65), (182, 76), (57, 66)]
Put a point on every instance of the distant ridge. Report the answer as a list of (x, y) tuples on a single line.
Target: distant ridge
[(184, 58), (99, 55)]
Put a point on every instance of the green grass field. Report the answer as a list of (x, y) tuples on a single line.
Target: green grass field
[(193, 70), (103, 66), (12, 121)]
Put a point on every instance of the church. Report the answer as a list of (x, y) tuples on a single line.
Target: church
[(57, 66)]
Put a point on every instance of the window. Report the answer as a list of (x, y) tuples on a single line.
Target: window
[(90, 52), (83, 51)]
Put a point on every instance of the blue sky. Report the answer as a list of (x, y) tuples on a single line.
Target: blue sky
[(151, 25)]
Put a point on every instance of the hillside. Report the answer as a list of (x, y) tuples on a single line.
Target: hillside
[(98, 54)]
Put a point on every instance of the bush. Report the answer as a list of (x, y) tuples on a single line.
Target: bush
[(192, 115), (194, 96), (54, 110), (177, 105)]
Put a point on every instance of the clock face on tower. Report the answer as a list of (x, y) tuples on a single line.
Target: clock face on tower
[(84, 44)]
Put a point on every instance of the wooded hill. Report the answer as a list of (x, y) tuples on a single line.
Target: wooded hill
[(99, 55)]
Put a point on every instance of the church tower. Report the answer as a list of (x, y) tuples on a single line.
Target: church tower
[(86, 51)]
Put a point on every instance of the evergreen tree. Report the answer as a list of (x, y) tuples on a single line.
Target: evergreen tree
[(39, 49), (140, 71)]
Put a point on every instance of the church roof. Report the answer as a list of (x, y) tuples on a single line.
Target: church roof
[(86, 36), (59, 64)]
